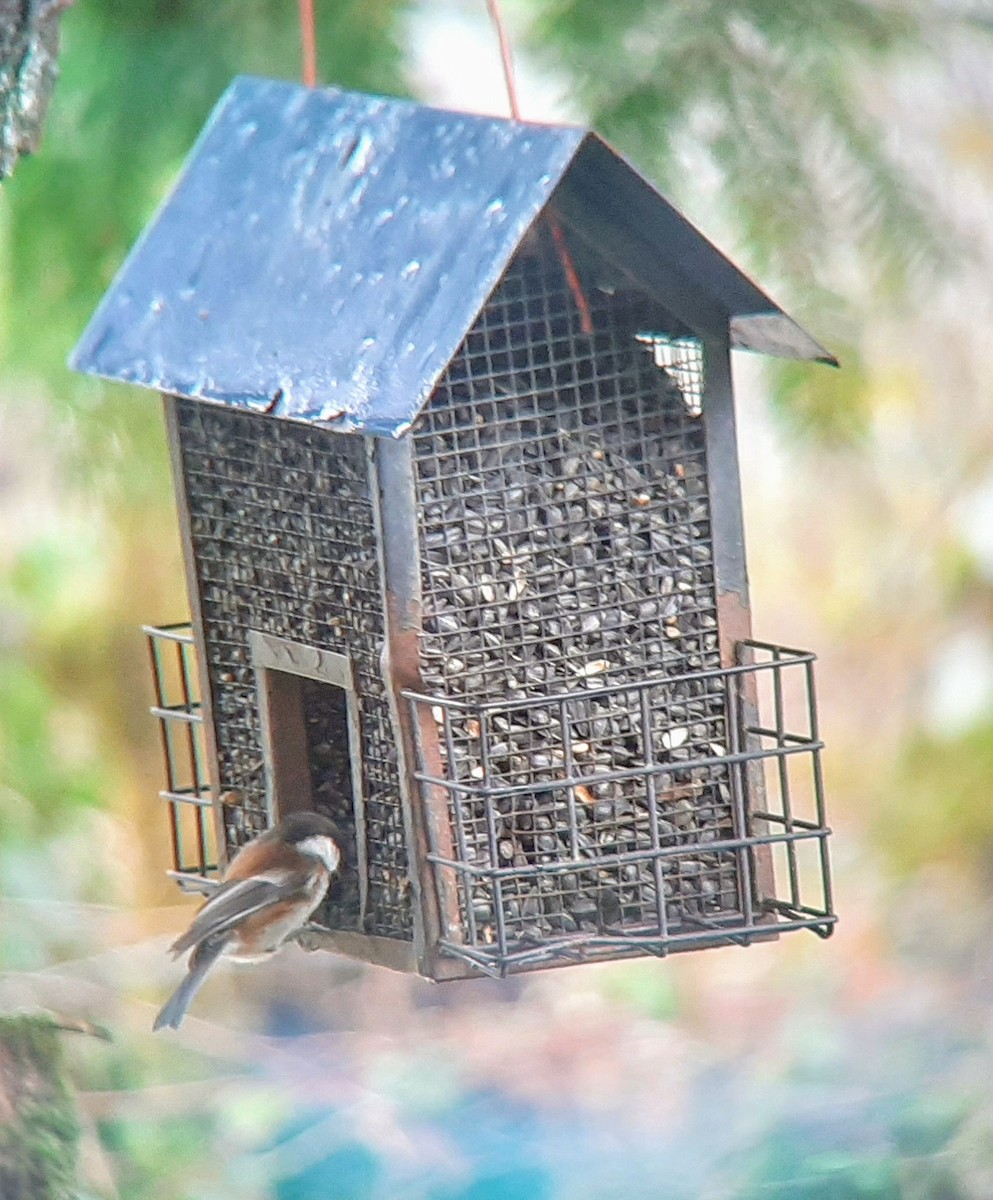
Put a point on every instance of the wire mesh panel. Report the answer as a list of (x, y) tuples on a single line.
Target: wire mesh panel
[(565, 546), (565, 528), (546, 872), (187, 792), (284, 541)]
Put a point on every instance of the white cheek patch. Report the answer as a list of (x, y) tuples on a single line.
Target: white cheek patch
[(324, 848)]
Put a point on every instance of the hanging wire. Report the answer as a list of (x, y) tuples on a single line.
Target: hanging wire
[(571, 275), (308, 43), (568, 266), (493, 7)]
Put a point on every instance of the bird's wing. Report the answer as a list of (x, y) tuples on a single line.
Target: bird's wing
[(233, 902)]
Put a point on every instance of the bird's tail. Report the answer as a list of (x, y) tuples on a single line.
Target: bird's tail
[(201, 960)]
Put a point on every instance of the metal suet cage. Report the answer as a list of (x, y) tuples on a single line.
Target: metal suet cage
[(466, 574)]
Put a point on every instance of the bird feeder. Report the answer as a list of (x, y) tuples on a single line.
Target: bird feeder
[(449, 405)]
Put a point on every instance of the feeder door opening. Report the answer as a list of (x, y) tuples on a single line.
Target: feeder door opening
[(310, 722)]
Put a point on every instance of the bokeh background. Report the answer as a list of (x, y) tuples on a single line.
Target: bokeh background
[(842, 152)]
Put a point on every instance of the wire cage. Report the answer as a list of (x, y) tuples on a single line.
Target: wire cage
[(546, 855)]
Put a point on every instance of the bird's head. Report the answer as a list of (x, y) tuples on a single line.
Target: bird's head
[(311, 834)]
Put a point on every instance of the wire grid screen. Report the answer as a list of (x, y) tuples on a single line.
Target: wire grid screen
[(565, 543), (187, 789), (284, 542), (540, 887)]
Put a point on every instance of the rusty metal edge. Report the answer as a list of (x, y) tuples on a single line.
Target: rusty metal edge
[(391, 475)]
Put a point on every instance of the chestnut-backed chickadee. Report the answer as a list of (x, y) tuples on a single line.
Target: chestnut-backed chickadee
[(271, 887)]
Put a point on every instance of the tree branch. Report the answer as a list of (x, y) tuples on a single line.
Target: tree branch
[(29, 48)]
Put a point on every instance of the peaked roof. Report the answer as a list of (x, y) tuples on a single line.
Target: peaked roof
[(324, 253)]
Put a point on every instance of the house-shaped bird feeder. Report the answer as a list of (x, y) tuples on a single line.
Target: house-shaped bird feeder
[(450, 411)]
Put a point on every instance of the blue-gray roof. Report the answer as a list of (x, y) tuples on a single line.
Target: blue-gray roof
[(329, 251)]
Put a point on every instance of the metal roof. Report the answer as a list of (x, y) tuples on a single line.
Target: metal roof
[(324, 253)]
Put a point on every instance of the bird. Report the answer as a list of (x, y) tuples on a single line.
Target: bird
[(268, 893)]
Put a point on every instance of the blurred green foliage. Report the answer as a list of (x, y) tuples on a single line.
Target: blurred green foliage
[(826, 407), (643, 989), (936, 807), (771, 96), (897, 1155), (172, 1152)]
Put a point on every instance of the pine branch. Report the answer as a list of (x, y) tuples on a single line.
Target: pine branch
[(39, 1129)]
